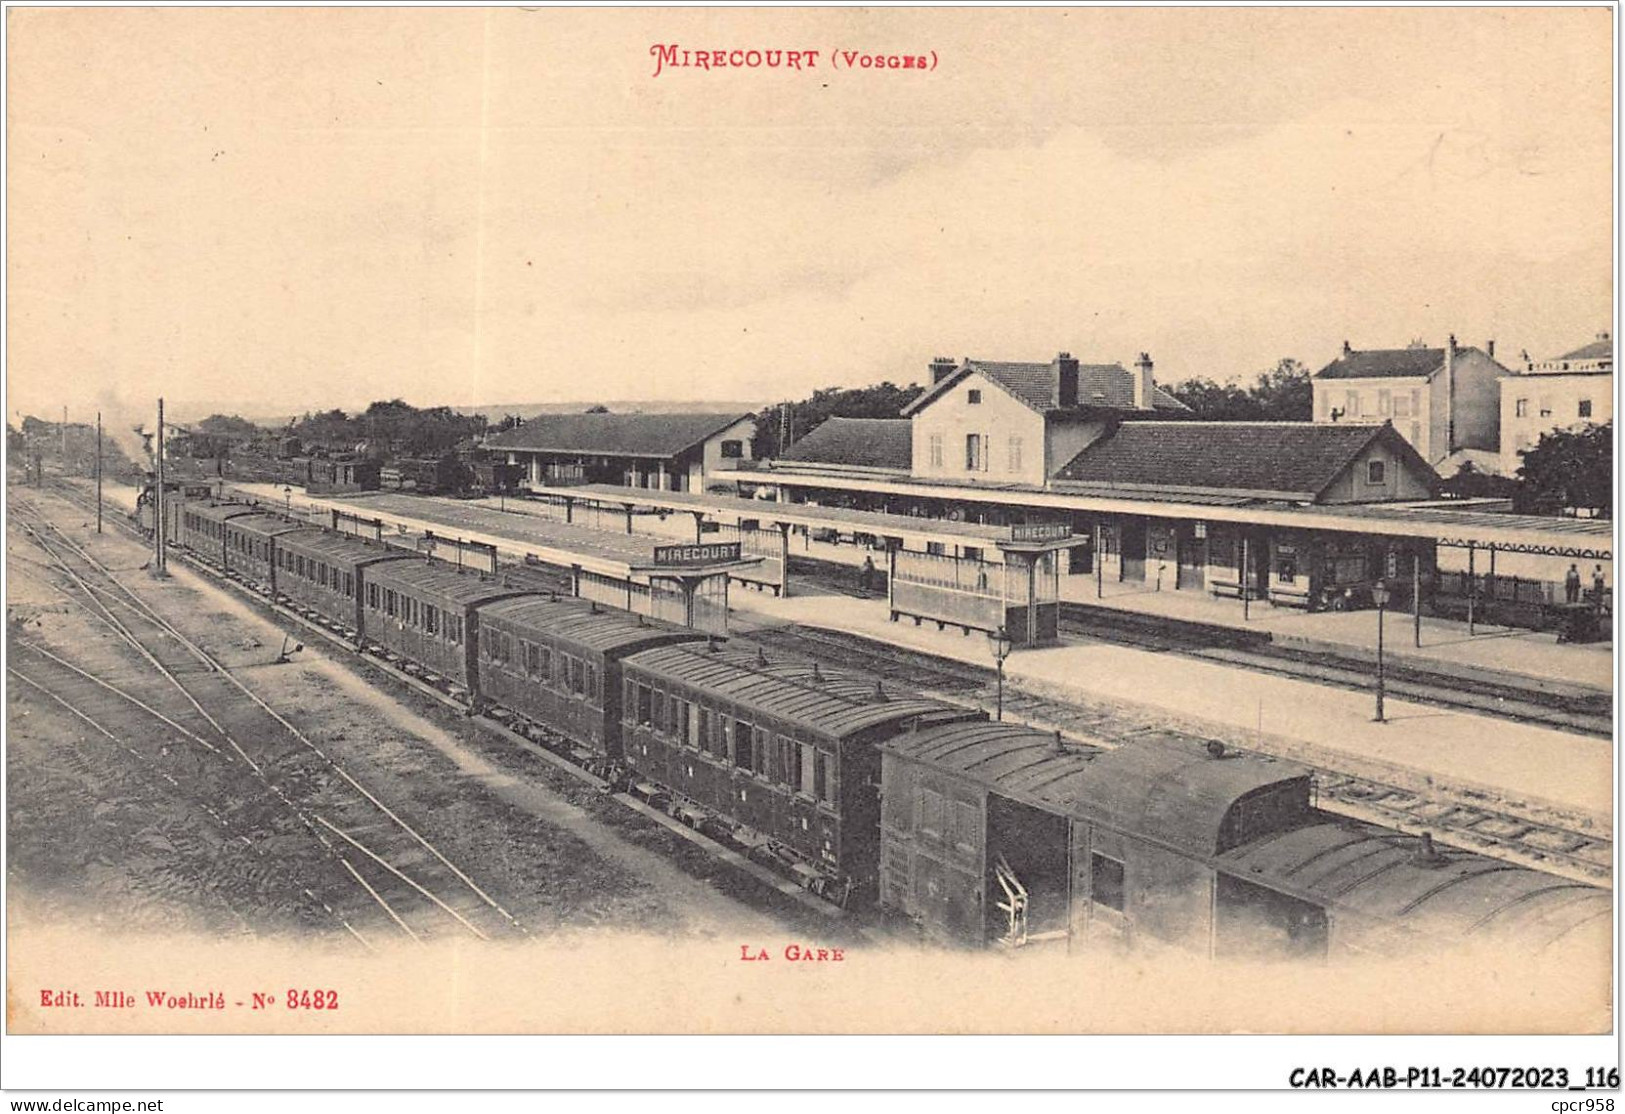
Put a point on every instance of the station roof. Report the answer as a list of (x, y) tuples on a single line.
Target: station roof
[(629, 435), (1281, 460), (833, 703), (877, 523), (1359, 867), (568, 618), (1172, 791), (1037, 386), (1586, 539), (858, 442)]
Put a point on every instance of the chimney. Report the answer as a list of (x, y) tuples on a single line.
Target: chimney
[(1144, 385), (941, 368), (1489, 348), (1066, 391), (1604, 335), (1347, 351)]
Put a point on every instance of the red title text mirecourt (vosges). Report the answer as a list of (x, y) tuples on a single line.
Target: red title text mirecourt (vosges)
[(671, 56)]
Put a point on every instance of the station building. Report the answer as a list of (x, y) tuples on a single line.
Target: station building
[(1561, 393), (1299, 514), (665, 452)]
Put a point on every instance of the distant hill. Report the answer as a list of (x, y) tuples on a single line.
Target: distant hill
[(496, 413)]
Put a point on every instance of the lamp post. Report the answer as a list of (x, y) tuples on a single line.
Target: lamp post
[(998, 641), (1379, 596)]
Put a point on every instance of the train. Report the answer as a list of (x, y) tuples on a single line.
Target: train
[(965, 831)]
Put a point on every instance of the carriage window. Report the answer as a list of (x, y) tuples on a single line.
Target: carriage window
[(389, 602), (789, 763), (349, 586), (544, 663), (804, 769), (762, 753), (528, 652), (372, 596), (708, 731), (431, 620), (454, 628), (645, 701), (744, 744), (1106, 881), (682, 721), (658, 712), (589, 680), (823, 778)]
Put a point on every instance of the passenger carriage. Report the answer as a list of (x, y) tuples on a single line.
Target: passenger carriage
[(322, 572), (427, 612), (202, 527), (784, 750), (556, 661)]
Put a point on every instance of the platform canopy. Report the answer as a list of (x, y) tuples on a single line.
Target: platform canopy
[(811, 516)]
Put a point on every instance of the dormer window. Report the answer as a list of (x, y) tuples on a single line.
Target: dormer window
[(1375, 472), (973, 397)]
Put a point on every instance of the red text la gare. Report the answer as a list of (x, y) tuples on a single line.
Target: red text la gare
[(795, 953)]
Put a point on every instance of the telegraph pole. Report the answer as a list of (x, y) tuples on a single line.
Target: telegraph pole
[(98, 471), (158, 555)]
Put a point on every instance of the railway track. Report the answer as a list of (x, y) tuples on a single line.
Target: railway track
[(1463, 817), (175, 706)]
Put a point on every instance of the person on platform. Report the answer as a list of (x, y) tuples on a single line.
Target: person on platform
[(866, 575), (1598, 587), (1571, 585)]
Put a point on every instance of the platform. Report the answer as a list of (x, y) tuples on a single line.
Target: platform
[(1446, 643)]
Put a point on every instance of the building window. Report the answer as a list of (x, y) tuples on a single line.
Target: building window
[(1351, 404), (973, 452), (973, 397), (1376, 472), (1402, 406), (1585, 408), (936, 450), (733, 450), (1106, 882), (1015, 454), (1521, 408), (1545, 407), (1384, 403)]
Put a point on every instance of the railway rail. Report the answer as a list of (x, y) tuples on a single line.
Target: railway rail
[(250, 767)]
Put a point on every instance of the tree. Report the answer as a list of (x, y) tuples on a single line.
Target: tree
[(1285, 393), (1569, 470), (596, 408), (884, 400), (1216, 402)]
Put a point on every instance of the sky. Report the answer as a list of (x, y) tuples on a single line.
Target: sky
[(279, 210)]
